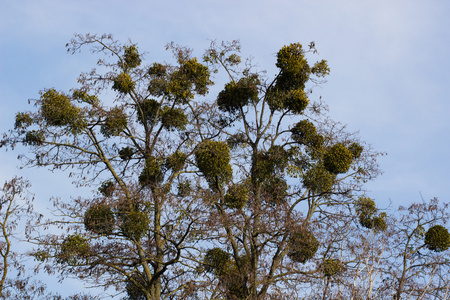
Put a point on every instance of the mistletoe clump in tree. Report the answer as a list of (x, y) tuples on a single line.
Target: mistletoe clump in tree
[(130, 235)]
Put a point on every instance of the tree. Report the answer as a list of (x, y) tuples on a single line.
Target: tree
[(275, 174), (135, 149), (406, 259), (16, 212), (250, 180), (14, 205), (421, 266)]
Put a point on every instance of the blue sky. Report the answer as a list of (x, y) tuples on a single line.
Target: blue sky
[(389, 59)]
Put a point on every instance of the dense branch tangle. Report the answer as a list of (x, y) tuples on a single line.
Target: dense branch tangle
[(237, 181), (134, 148), (276, 150)]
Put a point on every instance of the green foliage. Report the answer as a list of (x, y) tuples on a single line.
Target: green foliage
[(232, 277), (331, 267), (366, 209), (304, 133), (318, 180), (294, 69), (320, 68), (356, 149), (57, 110), (265, 164), (151, 173), (131, 57), (74, 250), (176, 161), (34, 138), (213, 160), (296, 101), (236, 95), (197, 74), (99, 219), (115, 122), (82, 96), (147, 111), (133, 291), (338, 159), (379, 222), (173, 119), (191, 77), (23, 120), (123, 83), (184, 188), (41, 255), (288, 90), (236, 197), (107, 188), (134, 224), (126, 153), (216, 261), (157, 70), (302, 245), (437, 238), (274, 190)]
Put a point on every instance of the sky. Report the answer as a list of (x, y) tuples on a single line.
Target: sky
[(389, 60)]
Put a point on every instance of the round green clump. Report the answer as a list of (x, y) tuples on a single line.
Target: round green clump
[(379, 222), (302, 245), (57, 110), (131, 57), (173, 119), (274, 190), (151, 173), (126, 153), (83, 96), (34, 138), (278, 157), (216, 261), (115, 122), (157, 70), (134, 224), (99, 219), (318, 180), (213, 160), (73, 249), (23, 120), (41, 255), (437, 238), (331, 267), (305, 133), (266, 163), (296, 101), (356, 149), (236, 197), (366, 209), (365, 206), (147, 111), (197, 74), (238, 94), (176, 161), (184, 188), (320, 68), (294, 68), (338, 159), (123, 83), (133, 290), (107, 188)]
